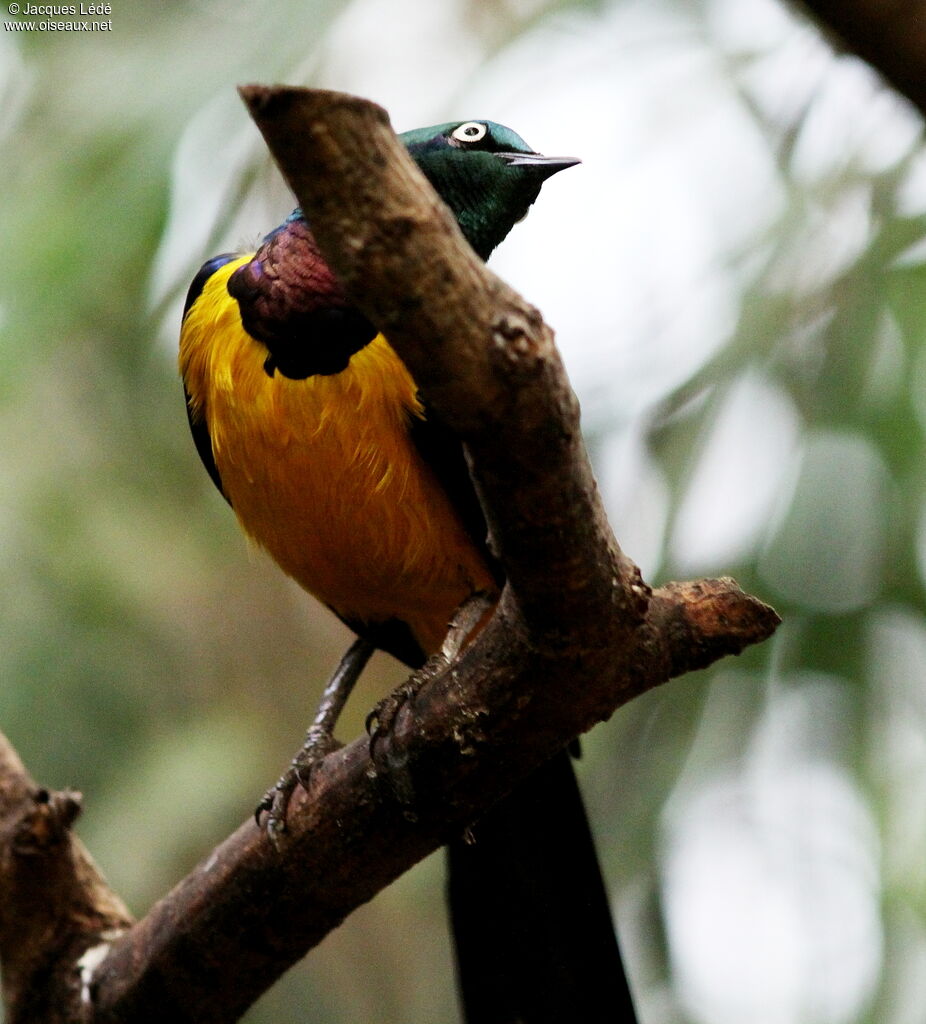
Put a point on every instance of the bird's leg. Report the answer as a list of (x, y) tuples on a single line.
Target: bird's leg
[(473, 612), (320, 735), (470, 615), (466, 621), (319, 739)]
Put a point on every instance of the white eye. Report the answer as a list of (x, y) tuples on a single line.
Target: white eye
[(471, 131)]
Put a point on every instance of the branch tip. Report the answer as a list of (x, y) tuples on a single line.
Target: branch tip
[(273, 104)]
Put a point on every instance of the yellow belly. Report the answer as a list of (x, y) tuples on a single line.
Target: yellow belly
[(321, 473)]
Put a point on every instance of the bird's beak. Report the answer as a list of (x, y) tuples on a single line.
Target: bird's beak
[(544, 165)]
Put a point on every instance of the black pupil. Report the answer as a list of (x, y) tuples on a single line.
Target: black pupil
[(472, 130)]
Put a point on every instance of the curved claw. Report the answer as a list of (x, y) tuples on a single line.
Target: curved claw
[(266, 802), (467, 617), (299, 773), (380, 720), (274, 803)]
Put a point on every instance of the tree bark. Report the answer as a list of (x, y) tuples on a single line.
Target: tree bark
[(55, 905)]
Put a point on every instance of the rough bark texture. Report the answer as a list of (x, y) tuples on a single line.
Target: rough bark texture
[(577, 632), (246, 913), (54, 903)]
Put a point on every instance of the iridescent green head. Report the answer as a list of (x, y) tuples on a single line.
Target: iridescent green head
[(485, 173)]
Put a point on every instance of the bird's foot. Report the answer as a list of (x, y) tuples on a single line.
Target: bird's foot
[(380, 723), (467, 620), (467, 617), (319, 740), (390, 761), (318, 745), (381, 719)]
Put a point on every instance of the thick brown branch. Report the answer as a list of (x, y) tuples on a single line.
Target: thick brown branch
[(245, 914)]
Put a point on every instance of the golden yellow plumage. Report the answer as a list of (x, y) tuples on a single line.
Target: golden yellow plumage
[(321, 473), (311, 426)]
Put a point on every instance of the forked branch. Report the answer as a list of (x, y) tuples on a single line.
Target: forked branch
[(576, 635)]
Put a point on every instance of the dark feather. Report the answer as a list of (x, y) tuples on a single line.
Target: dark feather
[(202, 276), (443, 453), (203, 443), (291, 301), (393, 636), (532, 929)]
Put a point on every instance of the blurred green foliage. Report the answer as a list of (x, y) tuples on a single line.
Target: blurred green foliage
[(762, 825)]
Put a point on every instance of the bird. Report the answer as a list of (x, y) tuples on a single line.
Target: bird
[(315, 433)]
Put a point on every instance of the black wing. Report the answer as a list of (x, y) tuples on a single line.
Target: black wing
[(442, 451)]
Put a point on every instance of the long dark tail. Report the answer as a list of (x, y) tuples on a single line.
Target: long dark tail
[(533, 935)]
